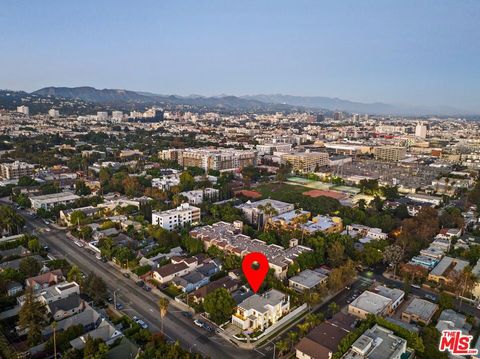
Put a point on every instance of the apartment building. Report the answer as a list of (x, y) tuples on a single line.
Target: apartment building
[(199, 195), (261, 311), (221, 159), (419, 311), (23, 109), (377, 342), (228, 237), (177, 217), (383, 301), (16, 170), (390, 153), (49, 201), (257, 213), (305, 161), (441, 272)]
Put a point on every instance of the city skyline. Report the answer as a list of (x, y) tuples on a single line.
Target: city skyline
[(414, 53)]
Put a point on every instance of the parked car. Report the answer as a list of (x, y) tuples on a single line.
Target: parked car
[(147, 288), (208, 328), (431, 297), (140, 283), (119, 306), (126, 275), (198, 323)]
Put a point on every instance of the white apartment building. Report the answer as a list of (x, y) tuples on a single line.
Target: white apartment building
[(102, 115), (23, 109), (177, 217), (421, 130), (53, 113), (49, 201), (261, 311), (16, 169), (199, 195), (117, 116)]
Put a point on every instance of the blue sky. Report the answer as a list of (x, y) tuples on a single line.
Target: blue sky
[(420, 52)]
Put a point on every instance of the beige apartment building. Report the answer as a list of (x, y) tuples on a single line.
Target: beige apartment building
[(305, 161), (16, 170), (390, 153)]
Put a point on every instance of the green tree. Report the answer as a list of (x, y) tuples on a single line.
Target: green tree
[(393, 255), (29, 267), (219, 305), (81, 188), (32, 317), (34, 245), (187, 182), (96, 288), (75, 275), (336, 254), (445, 301)]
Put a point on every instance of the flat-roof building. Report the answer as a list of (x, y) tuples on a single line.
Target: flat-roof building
[(49, 201), (177, 217)]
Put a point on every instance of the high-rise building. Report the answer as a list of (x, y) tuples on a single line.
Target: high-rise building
[(355, 117), (53, 113), (23, 109), (337, 116), (421, 130)]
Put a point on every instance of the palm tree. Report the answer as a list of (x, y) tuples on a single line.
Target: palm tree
[(54, 327), (282, 346), (292, 336), (303, 327), (163, 304)]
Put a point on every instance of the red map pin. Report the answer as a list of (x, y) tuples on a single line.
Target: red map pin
[(255, 268)]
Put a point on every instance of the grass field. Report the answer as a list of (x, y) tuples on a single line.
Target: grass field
[(294, 194)]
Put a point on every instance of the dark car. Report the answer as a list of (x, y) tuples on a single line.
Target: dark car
[(147, 288), (104, 260), (140, 283), (126, 275), (119, 306), (187, 314), (208, 328)]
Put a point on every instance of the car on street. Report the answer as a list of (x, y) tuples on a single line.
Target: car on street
[(140, 283), (147, 288), (198, 323), (126, 275), (187, 314), (431, 297), (208, 328), (119, 306)]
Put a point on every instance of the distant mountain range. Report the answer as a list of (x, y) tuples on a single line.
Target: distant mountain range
[(110, 96), (337, 104), (128, 100)]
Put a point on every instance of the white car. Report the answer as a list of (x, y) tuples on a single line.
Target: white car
[(142, 324), (198, 323)]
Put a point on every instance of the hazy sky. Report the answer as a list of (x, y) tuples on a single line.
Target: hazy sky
[(422, 52)]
